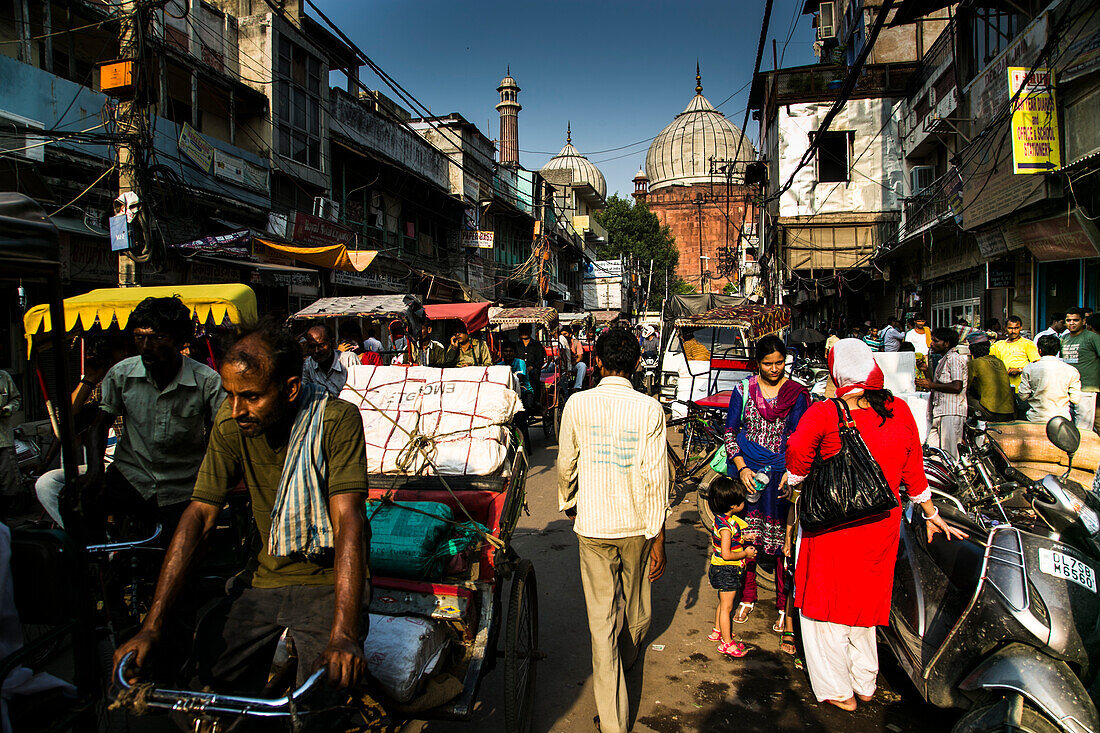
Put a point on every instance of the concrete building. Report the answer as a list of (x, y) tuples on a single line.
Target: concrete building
[(519, 242), (982, 237), (825, 219), (694, 173), (200, 165), (579, 192)]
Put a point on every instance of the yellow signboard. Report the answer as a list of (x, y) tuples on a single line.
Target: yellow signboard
[(1035, 146)]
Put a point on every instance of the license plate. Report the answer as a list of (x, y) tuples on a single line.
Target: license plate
[(1064, 566)]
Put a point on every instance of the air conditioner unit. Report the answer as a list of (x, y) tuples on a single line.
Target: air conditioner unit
[(326, 208), (17, 139), (921, 177), (826, 20)]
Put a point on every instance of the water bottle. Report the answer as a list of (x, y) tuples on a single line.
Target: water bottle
[(760, 482)]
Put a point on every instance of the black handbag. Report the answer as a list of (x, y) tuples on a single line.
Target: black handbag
[(846, 487)]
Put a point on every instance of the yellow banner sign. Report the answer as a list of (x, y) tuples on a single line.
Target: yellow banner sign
[(1035, 147)]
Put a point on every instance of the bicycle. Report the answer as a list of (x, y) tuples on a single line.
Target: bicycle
[(703, 435)]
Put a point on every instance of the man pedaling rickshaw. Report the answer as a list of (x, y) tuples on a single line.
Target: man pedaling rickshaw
[(167, 402), (302, 457)]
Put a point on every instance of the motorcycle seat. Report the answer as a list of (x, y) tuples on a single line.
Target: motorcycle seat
[(960, 560)]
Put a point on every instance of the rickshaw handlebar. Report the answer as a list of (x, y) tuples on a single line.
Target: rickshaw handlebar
[(189, 701), (128, 545)]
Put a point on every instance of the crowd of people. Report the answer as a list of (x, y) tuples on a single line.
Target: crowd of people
[(613, 484), (999, 374), (190, 434)]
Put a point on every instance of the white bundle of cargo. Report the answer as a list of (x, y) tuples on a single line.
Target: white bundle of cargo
[(459, 417), (401, 651)]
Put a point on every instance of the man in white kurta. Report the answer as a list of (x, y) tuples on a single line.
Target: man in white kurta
[(613, 480)]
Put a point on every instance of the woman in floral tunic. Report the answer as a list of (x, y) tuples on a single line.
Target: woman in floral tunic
[(764, 410)]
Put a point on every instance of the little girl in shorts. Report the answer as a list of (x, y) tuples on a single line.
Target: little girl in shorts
[(727, 559)]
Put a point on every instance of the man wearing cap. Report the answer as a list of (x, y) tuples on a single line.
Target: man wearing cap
[(989, 386)]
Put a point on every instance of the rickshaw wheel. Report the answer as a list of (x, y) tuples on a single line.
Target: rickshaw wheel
[(521, 650), (549, 429), (706, 514)]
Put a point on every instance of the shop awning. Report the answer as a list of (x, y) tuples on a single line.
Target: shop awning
[(334, 257)]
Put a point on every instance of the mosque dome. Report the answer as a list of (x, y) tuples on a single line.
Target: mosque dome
[(583, 170), (682, 153)]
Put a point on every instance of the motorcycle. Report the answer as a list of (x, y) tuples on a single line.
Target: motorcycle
[(814, 376), (650, 370), (1005, 622)]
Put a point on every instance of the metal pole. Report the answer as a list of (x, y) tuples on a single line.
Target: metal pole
[(128, 28), (648, 285)]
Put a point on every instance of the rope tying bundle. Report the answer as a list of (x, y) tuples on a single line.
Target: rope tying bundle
[(418, 442)]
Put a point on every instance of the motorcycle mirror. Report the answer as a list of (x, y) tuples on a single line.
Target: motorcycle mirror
[(1064, 434)]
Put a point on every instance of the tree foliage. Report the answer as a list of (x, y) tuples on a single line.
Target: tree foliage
[(635, 231)]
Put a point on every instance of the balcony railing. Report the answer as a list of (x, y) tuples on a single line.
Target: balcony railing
[(931, 206)]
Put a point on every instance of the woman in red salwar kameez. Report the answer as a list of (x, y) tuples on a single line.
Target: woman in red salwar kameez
[(843, 576)]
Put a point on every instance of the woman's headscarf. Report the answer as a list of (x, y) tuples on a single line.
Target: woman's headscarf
[(853, 367)]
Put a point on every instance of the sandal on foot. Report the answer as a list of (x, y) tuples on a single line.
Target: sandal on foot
[(786, 644), (743, 617), (733, 649), (715, 635), (779, 625)]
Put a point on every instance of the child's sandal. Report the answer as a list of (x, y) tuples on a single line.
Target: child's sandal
[(733, 649), (715, 635)]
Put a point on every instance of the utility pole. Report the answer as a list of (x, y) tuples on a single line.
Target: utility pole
[(648, 285), (129, 40)]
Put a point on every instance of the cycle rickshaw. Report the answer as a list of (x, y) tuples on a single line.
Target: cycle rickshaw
[(543, 321)]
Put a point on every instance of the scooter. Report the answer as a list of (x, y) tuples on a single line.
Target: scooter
[(1004, 623)]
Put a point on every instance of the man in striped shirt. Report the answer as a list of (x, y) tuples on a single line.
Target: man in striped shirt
[(613, 482)]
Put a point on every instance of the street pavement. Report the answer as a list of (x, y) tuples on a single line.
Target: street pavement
[(681, 684)]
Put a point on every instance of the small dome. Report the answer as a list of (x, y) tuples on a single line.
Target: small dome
[(640, 175), (584, 171), (681, 154), (508, 81)]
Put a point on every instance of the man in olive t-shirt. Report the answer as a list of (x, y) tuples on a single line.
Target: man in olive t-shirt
[(1081, 348), (321, 600)]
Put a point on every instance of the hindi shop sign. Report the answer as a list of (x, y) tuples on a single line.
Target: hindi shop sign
[(309, 229), (1035, 146), (195, 147), (477, 239)]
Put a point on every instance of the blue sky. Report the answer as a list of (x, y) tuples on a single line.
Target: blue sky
[(618, 71)]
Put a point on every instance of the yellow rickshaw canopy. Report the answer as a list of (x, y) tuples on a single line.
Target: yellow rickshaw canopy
[(208, 303)]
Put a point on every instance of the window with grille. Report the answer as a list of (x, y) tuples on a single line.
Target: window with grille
[(298, 104)]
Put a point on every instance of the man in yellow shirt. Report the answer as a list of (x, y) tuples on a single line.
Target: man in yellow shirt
[(693, 350), (1015, 351)]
